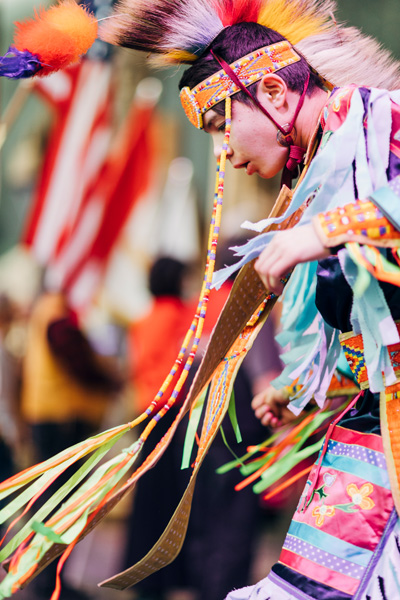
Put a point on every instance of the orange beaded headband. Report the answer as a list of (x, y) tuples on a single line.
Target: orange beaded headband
[(249, 69)]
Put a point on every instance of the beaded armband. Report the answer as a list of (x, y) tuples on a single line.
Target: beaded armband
[(361, 222)]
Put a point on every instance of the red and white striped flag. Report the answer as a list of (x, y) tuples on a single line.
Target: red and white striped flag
[(81, 98), (124, 179), (87, 189)]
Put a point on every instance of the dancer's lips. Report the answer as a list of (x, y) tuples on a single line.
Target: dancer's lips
[(247, 166), (243, 165), (250, 169)]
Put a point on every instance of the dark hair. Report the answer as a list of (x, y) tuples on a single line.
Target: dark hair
[(72, 349), (166, 277), (236, 41)]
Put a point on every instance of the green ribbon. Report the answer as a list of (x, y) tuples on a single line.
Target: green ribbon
[(233, 417), (55, 500), (192, 428)]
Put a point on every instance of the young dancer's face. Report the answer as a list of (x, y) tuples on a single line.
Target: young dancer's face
[(253, 144)]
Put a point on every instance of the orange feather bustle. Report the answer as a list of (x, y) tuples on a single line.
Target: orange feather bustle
[(58, 36)]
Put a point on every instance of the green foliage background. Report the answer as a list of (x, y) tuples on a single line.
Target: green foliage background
[(380, 19)]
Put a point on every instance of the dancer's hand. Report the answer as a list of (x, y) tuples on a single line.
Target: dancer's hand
[(285, 251), (270, 406)]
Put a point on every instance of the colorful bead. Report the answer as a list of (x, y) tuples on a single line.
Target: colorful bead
[(353, 348), (249, 69), (197, 324), (359, 221)]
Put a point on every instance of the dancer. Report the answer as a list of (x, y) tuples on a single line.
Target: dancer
[(342, 542), (264, 83)]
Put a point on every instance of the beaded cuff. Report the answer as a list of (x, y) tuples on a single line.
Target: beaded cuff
[(361, 222)]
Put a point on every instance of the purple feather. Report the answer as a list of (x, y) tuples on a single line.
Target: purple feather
[(19, 64)]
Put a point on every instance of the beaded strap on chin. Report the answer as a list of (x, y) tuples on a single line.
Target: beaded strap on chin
[(285, 135)]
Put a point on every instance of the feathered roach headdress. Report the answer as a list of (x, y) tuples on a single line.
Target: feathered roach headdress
[(178, 31)]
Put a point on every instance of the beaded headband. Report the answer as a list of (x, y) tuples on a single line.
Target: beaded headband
[(249, 69)]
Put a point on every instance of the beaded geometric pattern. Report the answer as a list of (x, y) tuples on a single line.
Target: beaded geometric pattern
[(361, 218), (353, 348), (354, 351), (249, 69)]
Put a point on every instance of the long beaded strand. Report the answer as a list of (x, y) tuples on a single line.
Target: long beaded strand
[(193, 327), (204, 295)]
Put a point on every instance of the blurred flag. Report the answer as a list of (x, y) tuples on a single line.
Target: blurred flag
[(178, 223), (81, 99), (164, 223), (123, 180), (87, 188)]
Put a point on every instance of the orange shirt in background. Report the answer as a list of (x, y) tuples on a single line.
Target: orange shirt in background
[(154, 344)]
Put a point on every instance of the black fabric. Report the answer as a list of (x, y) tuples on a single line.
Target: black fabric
[(316, 590), (334, 296)]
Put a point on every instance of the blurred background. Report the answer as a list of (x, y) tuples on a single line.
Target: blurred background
[(100, 175), (33, 147), (176, 157)]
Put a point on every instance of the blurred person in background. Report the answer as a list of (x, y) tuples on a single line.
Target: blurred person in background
[(155, 340), (66, 390)]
